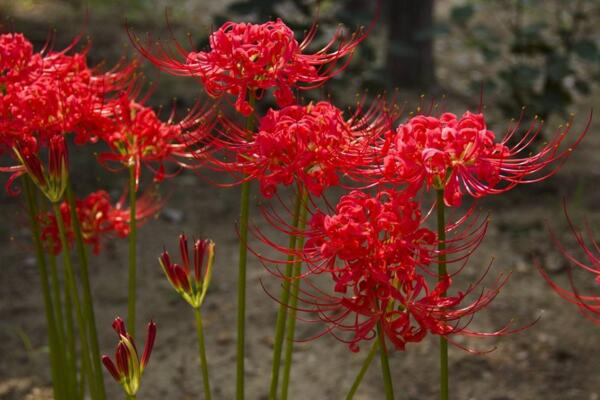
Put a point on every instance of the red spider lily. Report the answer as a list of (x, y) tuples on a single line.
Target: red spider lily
[(97, 218), (247, 57), (128, 367), (192, 288), (588, 304), (49, 94), (50, 179), (377, 254), (461, 155), (138, 136), (311, 145)]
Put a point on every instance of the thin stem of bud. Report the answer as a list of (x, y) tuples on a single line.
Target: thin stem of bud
[(202, 354)]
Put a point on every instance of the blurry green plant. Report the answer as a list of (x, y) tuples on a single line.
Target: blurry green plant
[(542, 54)]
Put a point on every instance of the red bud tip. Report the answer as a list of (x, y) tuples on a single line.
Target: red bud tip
[(149, 344), (119, 326), (110, 367), (199, 250), (183, 248), (122, 357)]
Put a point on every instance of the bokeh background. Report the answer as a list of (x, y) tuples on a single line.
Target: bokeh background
[(530, 57)]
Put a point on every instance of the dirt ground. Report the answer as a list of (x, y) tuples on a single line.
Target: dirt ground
[(556, 359)]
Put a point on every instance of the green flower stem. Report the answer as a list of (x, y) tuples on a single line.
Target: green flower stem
[(293, 301), (70, 348), (66, 337), (284, 297), (132, 252), (243, 257), (385, 365), (363, 371), (442, 272), (74, 297), (130, 397), (202, 353), (88, 303), (56, 361)]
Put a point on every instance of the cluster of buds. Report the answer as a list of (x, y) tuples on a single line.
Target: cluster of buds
[(129, 367), (51, 180), (192, 287)]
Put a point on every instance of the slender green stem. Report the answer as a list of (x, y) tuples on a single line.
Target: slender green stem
[(74, 296), (56, 352), (442, 272), (363, 371), (88, 303), (385, 364), (243, 257), (70, 348), (284, 297), (132, 252), (202, 353), (130, 397), (293, 301), (66, 337)]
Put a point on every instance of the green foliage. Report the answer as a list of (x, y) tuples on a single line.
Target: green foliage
[(539, 54)]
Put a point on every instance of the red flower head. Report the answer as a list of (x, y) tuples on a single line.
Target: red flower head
[(191, 285), (97, 218), (138, 136), (49, 94), (462, 155), (311, 145), (588, 304), (129, 366), (247, 57), (378, 253)]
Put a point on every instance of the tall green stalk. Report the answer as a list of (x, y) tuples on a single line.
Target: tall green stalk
[(56, 352), (132, 252), (363, 371), (442, 272), (284, 297), (243, 257), (88, 304), (202, 354), (293, 301), (74, 296), (385, 364), (71, 349)]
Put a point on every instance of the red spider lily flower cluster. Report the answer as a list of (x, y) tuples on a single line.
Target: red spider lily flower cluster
[(49, 94), (192, 286), (136, 135), (378, 254), (588, 304), (310, 144), (97, 218), (247, 57), (461, 155), (128, 367)]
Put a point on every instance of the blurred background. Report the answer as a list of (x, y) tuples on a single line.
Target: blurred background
[(531, 57)]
